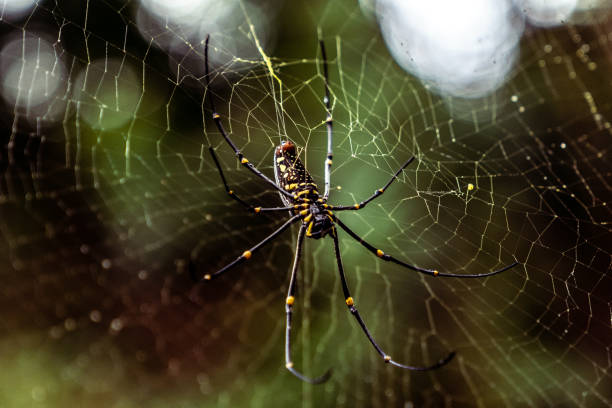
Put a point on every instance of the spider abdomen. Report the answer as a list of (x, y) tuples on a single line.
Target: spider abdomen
[(292, 176)]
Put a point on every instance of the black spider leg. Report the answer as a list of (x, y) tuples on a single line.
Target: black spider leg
[(289, 310), (217, 119), (351, 306), (376, 193), (431, 272), (328, 123), (249, 207), (246, 254)]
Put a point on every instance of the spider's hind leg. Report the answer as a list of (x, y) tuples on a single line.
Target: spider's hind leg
[(350, 302), (289, 310)]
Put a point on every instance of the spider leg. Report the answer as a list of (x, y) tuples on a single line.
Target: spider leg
[(246, 254), (249, 207), (328, 123), (431, 272), (217, 119), (289, 310), (376, 193), (351, 306)]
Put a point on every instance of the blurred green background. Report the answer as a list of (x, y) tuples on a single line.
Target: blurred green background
[(107, 190)]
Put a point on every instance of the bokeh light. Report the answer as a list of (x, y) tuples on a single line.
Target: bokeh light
[(547, 13), (31, 77), (108, 93), (459, 48), (15, 9), (180, 29)]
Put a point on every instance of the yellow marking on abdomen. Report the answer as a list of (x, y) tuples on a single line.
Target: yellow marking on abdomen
[(303, 192)]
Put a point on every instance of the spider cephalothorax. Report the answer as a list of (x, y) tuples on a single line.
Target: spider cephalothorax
[(300, 197)]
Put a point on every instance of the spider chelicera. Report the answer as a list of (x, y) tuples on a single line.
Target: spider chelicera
[(300, 197)]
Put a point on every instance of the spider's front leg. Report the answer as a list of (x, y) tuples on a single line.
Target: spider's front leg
[(249, 207), (217, 119), (377, 193), (431, 272), (245, 255), (328, 123)]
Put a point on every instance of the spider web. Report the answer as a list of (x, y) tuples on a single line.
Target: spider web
[(107, 190)]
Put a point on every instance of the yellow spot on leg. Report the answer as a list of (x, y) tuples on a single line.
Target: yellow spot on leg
[(329, 162), (216, 116), (289, 365), (257, 209), (379, 253), (349, 301), (290, 300), (247, 254), (387, 358), (308, 218), (309, 230), (244, 160), (381, 190), (304, 212), (356, 206), (470, 187), (230, 192), (436, 273), (207, 277)]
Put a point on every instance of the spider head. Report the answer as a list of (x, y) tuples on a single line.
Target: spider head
[(321, 223), (286, 147)]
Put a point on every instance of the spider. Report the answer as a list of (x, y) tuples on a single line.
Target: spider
[(300, 197)]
